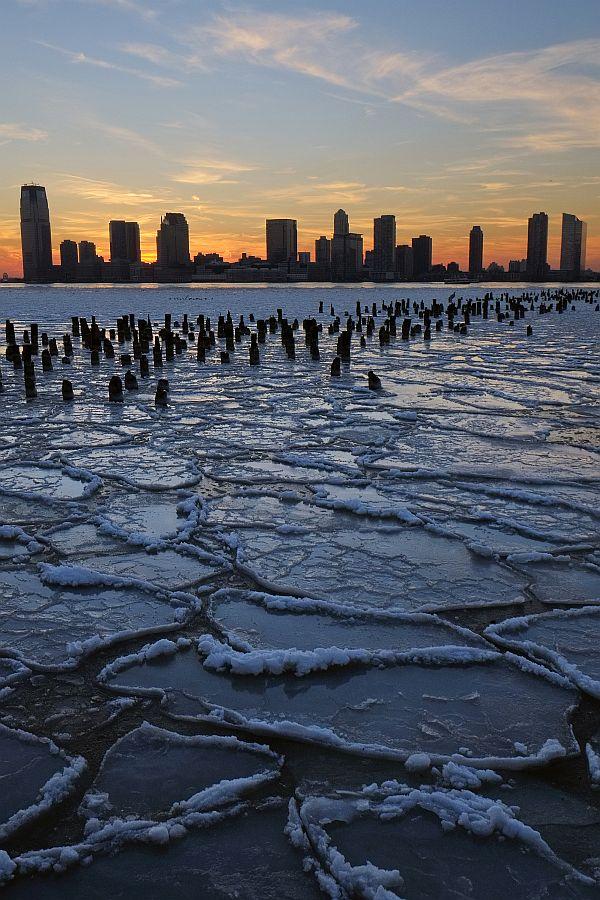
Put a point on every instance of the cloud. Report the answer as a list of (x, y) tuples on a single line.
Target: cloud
[(138, 7), (211, 171), (321, 45), (80, 58), (15, 131), (539, 100), (106, 192)]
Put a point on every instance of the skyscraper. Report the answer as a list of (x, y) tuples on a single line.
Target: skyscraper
[(124, 241), (404, 261), (87, 253), (173, 241), (36, 238), (341, 225), (422, 248), (282, 241), (573, 244), (384, 244), (69, 258), (323, 250), (476, 251), (537, 246)]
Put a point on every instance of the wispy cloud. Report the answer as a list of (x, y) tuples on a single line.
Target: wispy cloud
[(81, 58), (15, 131), (106, 192), (211, 171), (138, 7), (539, 100)]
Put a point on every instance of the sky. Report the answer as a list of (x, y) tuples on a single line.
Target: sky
[(446, 114)]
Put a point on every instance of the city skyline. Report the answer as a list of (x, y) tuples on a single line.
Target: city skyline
[(253, 112), (340, 257)]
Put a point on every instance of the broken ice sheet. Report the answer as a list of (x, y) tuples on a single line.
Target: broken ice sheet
[(265, 621), (34, 775), (145, 516), (170, 569), (139, 465), (496, 713), (54, 625), (430, 845), (562, 582), (325, 554), (567, 639), (47, 481), (150, 769), (247, 856)]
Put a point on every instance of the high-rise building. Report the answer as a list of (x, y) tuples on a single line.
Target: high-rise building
[(341, 225), (323, 250), (346, 256), (124, 241), (384, 243), (422, 248), (87, 253), (537, 246), (173, 241), (573, 244), (69, 257), (304, 258), (36, 237), (282, 241), (517, 266), (404, 261), (476, 251)]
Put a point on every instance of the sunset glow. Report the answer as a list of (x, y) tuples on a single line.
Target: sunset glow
[(240, 113)]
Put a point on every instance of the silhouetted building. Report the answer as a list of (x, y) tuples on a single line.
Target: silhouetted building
[(384, 244), (304, 258), (573, 244), (36, 237), (476, 251), (422, 248), (453, 268), (341, 224), (173, 241), (87, 253), (282, 241), (537, 246), (404, 261), (517, 266), (346, 256), (124, 241), (323, 250), (69, 257)]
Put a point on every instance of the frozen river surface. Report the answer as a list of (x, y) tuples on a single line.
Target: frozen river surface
[(291, 637)]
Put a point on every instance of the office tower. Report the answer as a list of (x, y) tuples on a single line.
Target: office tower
[(304, 258), (124, 241), (404, 261), (341, 225), (517, 266), (173, 241), (346, 256), (384, 243), (573, 244), (282, 241), (476, 251), (87, 253), (68, 257), (422, 255), (36, 238), (323, 250), (537, 246)]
